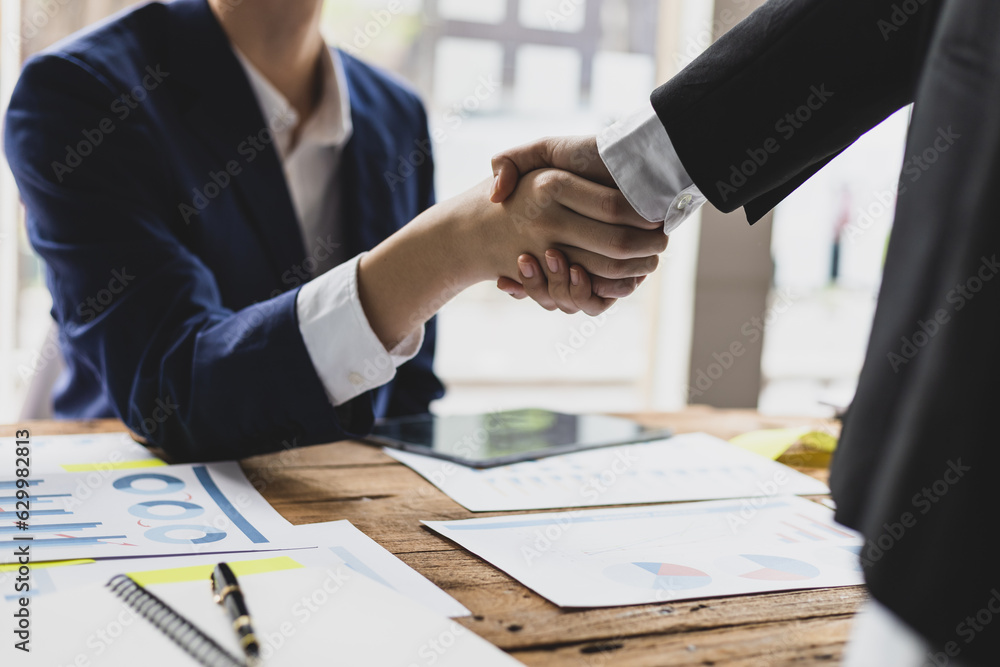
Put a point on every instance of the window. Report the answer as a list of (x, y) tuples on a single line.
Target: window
[(495, 74)]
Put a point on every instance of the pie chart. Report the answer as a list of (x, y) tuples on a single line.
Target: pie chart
[(658, 576), (770, 568)]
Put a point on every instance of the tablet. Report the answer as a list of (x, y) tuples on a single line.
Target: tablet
[(499, 438)]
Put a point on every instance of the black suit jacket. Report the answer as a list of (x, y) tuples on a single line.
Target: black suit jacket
[(760, 112)]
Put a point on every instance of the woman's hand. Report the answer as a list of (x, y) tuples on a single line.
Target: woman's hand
[(555, 284), (405, 279), (580, 156), (592, 225)]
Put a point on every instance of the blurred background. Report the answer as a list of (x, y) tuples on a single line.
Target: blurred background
[(797, 290)]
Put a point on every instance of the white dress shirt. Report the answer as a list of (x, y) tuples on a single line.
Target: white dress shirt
[(642, 160), (879, 638), (348, 356)]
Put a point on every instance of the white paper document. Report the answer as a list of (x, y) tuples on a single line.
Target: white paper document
[(82, 453), (623, 556), (693, 466), (113, 513), (328, 544), (303, 616)]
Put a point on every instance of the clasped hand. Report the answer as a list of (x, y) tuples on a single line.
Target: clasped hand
[(552, 201), (600, 249)]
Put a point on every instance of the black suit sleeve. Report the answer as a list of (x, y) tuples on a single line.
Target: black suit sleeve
[(789, 88)]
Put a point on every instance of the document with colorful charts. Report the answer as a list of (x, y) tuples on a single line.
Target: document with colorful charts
[(83, 453), (302, 616), (323, 545), (694, 466), (113, 513), (639, 555)]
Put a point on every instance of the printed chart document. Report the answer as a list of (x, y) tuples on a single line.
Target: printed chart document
[(333, 544), (303, 616), (605, 558), (693, 466), (83, 453), (112, 513)]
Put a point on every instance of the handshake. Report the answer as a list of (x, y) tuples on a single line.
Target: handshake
[(562, 232), (550, 225)]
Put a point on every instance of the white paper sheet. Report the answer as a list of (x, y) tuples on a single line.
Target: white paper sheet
[(693, 466), (191, 508), (327, 545), (309, 616), (80, 453), (604, 558)]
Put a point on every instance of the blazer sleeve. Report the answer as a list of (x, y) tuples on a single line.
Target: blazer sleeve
[(134, 303), (787, 89)]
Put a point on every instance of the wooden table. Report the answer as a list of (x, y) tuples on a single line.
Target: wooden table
[(386, 500)]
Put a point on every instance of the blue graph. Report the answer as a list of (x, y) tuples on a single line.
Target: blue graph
[(170, 517)]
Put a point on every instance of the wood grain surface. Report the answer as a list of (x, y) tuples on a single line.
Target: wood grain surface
[(386, 500)]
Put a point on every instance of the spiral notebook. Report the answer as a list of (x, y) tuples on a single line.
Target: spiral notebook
[(302, 617), (182, 632)]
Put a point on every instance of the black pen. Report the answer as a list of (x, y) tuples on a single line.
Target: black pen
[(228, 594)]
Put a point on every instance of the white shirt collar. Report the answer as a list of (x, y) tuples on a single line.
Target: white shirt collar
[(330, 123)]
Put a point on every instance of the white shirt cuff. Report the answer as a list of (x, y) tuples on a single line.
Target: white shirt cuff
[(641, 158), (348, 356)]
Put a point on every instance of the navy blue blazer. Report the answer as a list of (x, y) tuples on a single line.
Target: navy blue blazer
[(157, 200)]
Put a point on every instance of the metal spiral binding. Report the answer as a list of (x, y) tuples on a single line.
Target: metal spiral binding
[(196, 643)]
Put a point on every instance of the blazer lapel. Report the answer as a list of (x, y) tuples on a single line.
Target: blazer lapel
[(368, 215), (225, 114)]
